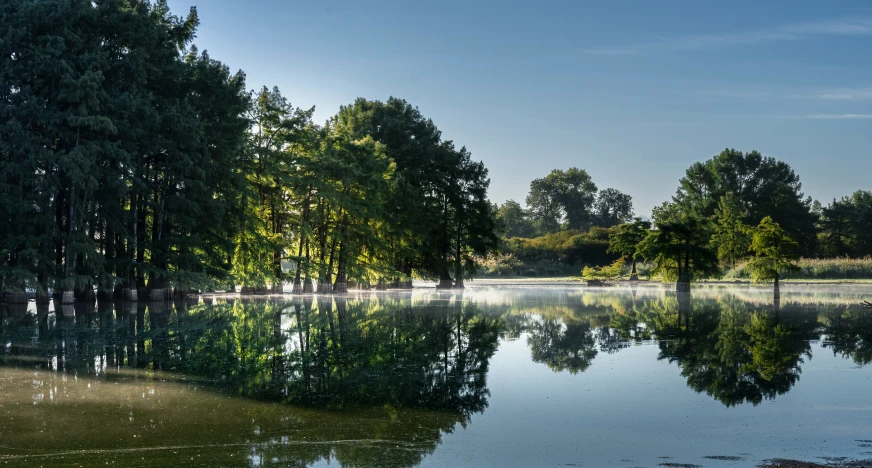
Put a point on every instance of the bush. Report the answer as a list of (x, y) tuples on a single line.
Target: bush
[(497, 264), (571, 248), (606, 273)]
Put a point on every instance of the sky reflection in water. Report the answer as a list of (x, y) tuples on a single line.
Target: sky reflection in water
[(534, 376)]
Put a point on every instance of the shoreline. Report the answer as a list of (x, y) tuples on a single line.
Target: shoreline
[(578, 282)]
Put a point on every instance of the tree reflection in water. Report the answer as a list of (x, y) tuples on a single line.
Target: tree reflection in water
[(380, 369), (562, 347), (737, 354), (407, 372), (733, 350)]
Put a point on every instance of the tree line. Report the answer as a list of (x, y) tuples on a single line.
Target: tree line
[(564, 201), (134, 163), (710, 223), (743, 207)]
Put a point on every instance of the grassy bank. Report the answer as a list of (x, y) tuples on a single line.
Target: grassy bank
[(811, 270), (822, 269)]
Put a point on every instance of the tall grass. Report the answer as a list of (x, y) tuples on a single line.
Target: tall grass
[(818, 268)]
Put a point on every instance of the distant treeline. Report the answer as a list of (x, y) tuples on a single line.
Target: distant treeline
[(131, 161), (567, 224), (716, 207)]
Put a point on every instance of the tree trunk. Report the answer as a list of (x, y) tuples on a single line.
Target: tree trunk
[(777, 291), (683, 285), (341, 284), (298, 287), (458, 263), (307, 282)]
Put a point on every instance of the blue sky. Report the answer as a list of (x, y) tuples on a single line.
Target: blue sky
[(633, 92)]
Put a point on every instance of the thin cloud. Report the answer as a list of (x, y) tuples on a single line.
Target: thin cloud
[(858, 26), (860, 94), (824, 94), (736, 93), (840, 116)]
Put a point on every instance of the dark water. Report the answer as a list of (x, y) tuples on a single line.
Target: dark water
[(528, 376)]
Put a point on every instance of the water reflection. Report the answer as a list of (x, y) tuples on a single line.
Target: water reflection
[(371, 379)]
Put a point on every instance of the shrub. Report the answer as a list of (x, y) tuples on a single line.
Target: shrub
[(497, 264), (565, 247), (606, 273)]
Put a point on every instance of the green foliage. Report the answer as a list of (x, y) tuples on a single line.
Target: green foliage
[(612, 207), (561, 252), (500, 264), (761, 185), (562, 195), (569, 200), (612, 272), (680, 249), (130, 159), (731, 236), (437, 217), (774, 252), (846, 226), (626, 240), (120, 146), (515, 220), (817, 269)]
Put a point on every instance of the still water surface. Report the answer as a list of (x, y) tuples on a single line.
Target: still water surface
[(493, 376)]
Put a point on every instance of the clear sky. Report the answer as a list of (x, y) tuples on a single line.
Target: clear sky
[(633, 92)]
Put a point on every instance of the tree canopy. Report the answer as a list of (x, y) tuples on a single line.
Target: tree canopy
[(774, 252), (134, 162), (626, 241), (680, 249), (762, 186)]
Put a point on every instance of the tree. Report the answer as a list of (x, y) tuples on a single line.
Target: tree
[(774, 252), (862, 222), (435, 214), (680, 249), (132, 162), (762, 185), (545, 210), (562, 197), (846, 226), (515, 220), (626, 241), (731, 236), (277, 163), (835, 223), (472, 228), (123, 146), (612, 208)]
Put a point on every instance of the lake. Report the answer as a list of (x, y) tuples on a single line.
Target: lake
[(533, 375)]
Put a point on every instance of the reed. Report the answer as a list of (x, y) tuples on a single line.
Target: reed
[(818, 268)]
